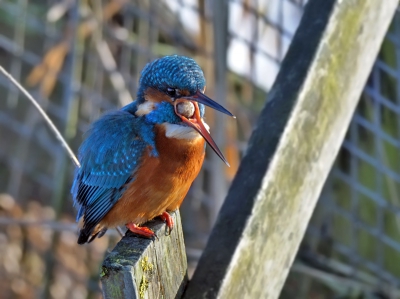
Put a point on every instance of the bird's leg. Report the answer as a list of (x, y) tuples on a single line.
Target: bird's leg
[(140, 230), (169, 221)]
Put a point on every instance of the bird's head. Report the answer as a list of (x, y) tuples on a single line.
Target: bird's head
[(171, 90)]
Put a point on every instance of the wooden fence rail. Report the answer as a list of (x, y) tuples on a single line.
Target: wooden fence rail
[(142, 268), (273, 195)]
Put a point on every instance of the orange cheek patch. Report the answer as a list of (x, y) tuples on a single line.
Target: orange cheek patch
[(156, 96), (184, 93)]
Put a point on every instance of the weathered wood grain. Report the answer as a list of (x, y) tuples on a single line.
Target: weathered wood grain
[(143, 268), (291, 151)]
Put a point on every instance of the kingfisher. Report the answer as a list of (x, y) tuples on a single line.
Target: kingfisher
[(138, 163)]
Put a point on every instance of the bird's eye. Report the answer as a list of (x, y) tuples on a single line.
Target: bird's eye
[(173, 92)]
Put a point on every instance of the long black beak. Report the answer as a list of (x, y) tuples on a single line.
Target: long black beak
[(203, 99)]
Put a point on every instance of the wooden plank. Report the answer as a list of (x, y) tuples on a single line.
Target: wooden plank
[(291, 151), (143, 268)]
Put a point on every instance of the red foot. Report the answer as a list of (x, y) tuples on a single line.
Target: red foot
[(140, 230), (167, 218)]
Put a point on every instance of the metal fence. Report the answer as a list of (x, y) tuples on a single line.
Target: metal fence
[(83, 58)]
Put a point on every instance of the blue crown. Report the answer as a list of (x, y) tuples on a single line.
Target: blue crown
[(171, 72)]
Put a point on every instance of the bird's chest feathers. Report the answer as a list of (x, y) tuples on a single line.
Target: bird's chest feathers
[(179, 146)]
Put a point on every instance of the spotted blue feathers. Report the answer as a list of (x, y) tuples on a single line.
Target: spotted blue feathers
[(109, 157), (164, 113), (174, 72), (115, 144)]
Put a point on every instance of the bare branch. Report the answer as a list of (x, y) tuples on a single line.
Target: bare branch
[(45, 116)]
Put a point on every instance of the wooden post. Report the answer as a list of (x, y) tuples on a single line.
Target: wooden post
[(141, 268), (291, 151)]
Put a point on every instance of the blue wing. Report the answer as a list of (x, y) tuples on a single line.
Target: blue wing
[(109, 158)]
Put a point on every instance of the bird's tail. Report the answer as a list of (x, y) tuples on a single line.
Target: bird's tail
[(87, 236)]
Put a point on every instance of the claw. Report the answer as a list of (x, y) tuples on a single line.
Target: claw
[(141, 230), (169, 221)]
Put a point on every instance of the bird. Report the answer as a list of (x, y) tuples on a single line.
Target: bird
[(138, 163)]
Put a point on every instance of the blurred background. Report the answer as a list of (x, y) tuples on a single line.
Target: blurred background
[(82, 58)]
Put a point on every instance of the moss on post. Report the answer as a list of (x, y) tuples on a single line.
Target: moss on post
[(297, 137), (143, 268)]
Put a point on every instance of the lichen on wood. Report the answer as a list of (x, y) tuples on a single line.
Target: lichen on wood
[(144, 268), (291, 151)]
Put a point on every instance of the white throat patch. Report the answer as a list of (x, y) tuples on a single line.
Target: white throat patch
[(181, 132)]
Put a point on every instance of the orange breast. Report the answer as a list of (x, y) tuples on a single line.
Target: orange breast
[(161, 183)]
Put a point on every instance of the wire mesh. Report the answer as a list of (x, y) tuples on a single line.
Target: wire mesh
[(81, 59)]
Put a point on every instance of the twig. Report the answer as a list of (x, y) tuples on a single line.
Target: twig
[(55, 131), (54, 225), (45, 116)]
